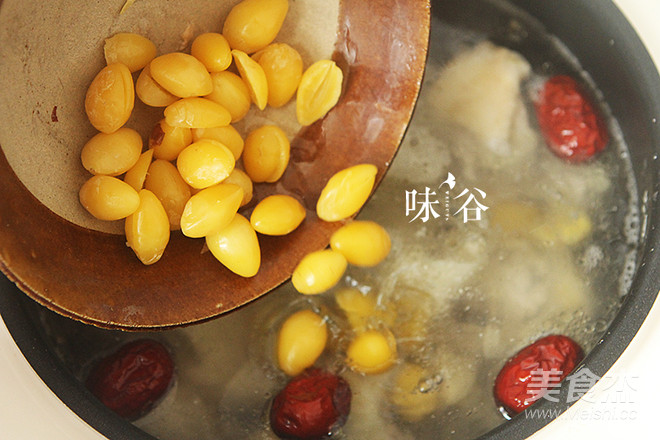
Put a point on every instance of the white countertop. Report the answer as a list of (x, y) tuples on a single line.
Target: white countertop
[(29, 410)]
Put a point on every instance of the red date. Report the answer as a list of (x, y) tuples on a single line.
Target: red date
[(570, 124), (535, 369), (133, 379), (311, 406)]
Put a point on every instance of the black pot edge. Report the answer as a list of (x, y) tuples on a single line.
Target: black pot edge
[(645, 287), (30, 340), (619, 334)]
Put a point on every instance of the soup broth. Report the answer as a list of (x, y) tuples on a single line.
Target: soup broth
[(496, 242)]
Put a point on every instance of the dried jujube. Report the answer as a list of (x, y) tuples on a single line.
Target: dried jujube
[(313, 405), (133, 379)]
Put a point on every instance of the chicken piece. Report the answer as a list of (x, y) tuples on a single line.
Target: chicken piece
[(480, 91)]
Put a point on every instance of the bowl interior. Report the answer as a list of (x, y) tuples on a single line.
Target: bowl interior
[(51, 248)]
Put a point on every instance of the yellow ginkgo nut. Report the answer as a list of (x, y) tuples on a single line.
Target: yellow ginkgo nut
[(346, 192), (300, 341), (318, 271)]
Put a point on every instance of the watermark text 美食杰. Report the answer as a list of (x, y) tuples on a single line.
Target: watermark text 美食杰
[(615, 400)]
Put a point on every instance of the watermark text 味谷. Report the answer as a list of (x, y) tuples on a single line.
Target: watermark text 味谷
[(426, 205)]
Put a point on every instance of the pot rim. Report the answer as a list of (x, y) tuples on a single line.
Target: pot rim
[(631, 315), (644, 289)]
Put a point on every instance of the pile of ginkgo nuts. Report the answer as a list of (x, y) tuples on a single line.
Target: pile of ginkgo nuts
[(187, 179)]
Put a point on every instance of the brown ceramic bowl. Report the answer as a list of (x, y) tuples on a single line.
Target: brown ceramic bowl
[(66, 261)]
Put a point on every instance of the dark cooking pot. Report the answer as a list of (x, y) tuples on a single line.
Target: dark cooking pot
[(608, 48)]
